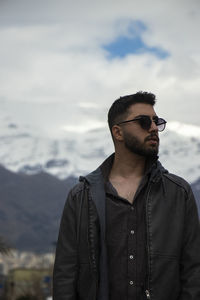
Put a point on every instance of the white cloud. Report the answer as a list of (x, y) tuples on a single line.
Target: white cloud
[(52, 52), (190, 131)]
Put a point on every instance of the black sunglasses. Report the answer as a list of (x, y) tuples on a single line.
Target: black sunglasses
[(145, 122)]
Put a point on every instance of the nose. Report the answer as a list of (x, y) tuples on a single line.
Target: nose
[(153, 127)]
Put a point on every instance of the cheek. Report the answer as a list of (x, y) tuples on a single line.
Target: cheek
[(137, 134), (142, 137)]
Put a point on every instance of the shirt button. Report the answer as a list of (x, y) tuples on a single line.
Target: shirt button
[(131, 282), (132, 208), (132, 231), (131, 256)]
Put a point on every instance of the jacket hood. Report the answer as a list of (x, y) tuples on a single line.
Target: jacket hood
[(157, 171)]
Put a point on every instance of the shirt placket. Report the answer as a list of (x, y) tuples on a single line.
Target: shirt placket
[(131, 259)]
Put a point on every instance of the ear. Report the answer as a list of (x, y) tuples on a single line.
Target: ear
[(117, 133)]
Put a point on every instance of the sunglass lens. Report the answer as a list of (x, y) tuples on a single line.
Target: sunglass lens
[(145, 122), (161, 123)]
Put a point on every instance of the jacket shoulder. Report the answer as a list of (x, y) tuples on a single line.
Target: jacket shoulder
[(74, 196), (76, 189), (178, 181)]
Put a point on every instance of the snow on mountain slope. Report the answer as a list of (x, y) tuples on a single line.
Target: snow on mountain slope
[(27, 149), (180, 150)]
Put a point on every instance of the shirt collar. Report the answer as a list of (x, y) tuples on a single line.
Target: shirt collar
[(107, 165)]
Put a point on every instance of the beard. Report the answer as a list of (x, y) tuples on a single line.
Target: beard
[(133, 144)]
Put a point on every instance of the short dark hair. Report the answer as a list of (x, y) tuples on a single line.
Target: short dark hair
[(119, 109)]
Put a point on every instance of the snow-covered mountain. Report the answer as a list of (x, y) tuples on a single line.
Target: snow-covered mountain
[(75, 152)]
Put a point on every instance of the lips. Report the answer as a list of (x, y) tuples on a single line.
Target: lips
[(153, 139)]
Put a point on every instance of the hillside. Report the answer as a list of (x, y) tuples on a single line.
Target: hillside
[(30, 209)]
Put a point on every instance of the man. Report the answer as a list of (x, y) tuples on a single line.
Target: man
[(130, 229)]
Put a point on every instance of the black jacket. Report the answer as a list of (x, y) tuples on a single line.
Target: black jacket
[(173, 241)]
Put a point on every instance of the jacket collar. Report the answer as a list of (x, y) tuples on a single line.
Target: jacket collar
[(154, 169)]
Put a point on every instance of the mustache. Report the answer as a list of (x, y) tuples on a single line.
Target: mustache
[(152, 137)]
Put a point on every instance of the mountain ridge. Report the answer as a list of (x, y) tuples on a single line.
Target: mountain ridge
[(75, 154)]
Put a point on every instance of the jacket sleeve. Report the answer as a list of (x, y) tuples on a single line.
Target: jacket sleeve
[(190, 260), (66, 266)]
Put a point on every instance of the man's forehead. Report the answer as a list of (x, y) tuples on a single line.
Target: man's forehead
[(141, 109)]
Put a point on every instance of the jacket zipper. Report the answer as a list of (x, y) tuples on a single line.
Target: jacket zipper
[(147, 292), (96, 283)]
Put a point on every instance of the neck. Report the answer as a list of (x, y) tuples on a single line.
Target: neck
[(128, 164)]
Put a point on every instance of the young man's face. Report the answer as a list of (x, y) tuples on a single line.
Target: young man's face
[(144, 142)]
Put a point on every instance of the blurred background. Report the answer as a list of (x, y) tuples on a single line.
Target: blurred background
[(63, 63)]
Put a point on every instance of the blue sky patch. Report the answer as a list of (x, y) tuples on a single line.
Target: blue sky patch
[(133, 44)]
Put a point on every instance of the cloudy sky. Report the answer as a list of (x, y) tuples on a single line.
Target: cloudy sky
[(63, 63)]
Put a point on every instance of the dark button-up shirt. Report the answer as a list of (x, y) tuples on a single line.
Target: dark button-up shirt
[(126, 241)]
